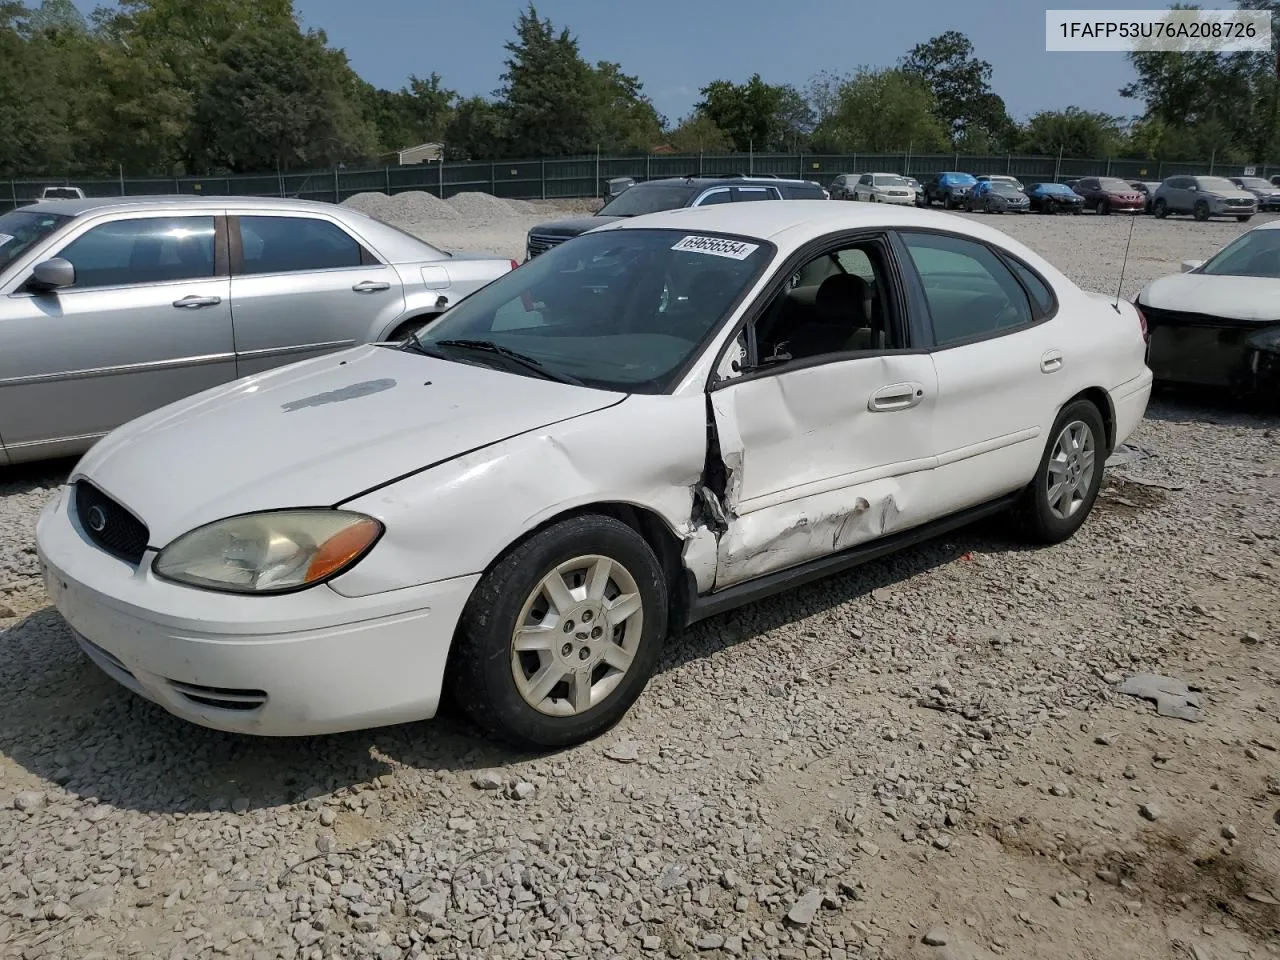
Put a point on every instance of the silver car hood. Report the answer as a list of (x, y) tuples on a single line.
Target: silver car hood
[(317, 433)]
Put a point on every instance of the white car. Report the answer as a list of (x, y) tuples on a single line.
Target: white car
[(1217, 324), (651, 423), (884, 188)]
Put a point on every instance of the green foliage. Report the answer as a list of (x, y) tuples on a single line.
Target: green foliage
[(1073, 132), (698, 133), (961, 87), (878, 111), (750, 113)]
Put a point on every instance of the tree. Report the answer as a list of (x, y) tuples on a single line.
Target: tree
[(878, 111), (698, 133), (750, 113), (549, 93), (476, 131), (1073, 132), (276, 95), (625, 118), (33, 113), (961, 86), (795, 118)]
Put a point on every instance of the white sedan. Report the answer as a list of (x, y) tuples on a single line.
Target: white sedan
[(648, 424), (1217, 324)]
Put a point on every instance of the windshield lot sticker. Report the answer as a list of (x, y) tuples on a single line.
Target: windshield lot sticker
[(4, 238), (717, 247)]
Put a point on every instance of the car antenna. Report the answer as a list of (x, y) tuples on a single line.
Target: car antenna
[(1123, 263)]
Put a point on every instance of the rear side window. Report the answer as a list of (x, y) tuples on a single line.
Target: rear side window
[(1040, 291), (293, 244), (753, 193), (970, 291), (802, 191), (143, 250)]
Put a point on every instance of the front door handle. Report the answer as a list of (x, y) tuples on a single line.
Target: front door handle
[(896, 396), (193, 302), (371, 286), (1051, 362)]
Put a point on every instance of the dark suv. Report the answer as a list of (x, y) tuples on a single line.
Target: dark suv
[(673, 193), (951, 189)]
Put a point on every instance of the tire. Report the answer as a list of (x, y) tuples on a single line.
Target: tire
[(484, 662), (1160, 210), (1044, 522), (1201, 211), (413, 325), (1075, 211), (1104, 208), (946, 202)]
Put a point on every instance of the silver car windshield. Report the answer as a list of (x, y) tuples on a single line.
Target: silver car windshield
[(1216, 183), (618, 310), (21, 229), (891, 182), (1256, 254)]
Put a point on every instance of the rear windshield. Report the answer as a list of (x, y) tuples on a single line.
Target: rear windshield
[(61, 193), (649, 198), (20, 230), (1256, 254)]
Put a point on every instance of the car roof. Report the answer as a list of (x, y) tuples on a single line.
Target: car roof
[(715, 180), (75, 208)]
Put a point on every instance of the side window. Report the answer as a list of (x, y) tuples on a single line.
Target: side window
[(971, 293), (716, 196), (753, 193), (865, 180), (838, 302), (1040, 291), (143, 250), (291, 244)]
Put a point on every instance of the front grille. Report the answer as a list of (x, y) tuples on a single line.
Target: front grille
[(541, 243), (1240, 202), (109, 525), (220, 698)]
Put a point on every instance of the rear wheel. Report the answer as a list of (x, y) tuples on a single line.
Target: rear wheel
[(560, 638), (1201, 211), (1056, 503)]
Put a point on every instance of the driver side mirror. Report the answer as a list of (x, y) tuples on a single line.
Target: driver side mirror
[(52, 274), (1193, 188), (1189, 265)]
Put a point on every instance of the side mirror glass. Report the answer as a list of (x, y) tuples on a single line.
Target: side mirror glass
[(53, 274)]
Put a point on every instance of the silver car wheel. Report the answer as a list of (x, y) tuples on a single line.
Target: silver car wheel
[(576, 636), (1071, 465)]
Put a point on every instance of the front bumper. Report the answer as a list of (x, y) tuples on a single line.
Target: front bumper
[(1203, 351), (311, 662), (909, 199), (1221, 209)]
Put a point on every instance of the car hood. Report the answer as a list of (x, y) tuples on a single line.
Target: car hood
[(317, 433), (1230, 194), (1235, 298), (571, 226)]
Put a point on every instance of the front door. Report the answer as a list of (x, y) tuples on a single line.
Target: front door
[(301, 287), (826, 433), (146, 322)]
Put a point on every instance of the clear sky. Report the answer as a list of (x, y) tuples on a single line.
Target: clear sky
[(677, 46)]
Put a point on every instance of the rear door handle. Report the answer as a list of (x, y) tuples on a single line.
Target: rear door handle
[(1051, 362), (371, 286), (193, 302), (896, 396)]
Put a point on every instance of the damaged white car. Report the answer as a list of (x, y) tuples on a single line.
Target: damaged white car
[(646, 425)]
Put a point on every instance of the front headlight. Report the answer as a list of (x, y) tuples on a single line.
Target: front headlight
[(269, 552)]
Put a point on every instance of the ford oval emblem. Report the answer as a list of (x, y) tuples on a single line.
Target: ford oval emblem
[(97, 519)]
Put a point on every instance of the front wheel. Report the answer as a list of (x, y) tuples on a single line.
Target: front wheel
[(1201, 211), (1160, 210), (1056, 503), (408, 329), (1104, 208), (561, 636)]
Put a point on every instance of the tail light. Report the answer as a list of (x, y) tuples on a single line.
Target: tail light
[(514, 265), (1142, 323)]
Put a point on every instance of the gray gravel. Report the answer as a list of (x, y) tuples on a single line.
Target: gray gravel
[(858, 768)]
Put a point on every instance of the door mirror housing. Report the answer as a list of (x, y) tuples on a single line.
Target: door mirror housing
[(1189, 265), (53, 274)]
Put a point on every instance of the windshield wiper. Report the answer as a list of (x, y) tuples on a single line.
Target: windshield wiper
[(488, 346)]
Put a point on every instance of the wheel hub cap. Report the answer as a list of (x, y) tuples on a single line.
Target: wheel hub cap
[(576, 636), (1072, 462)]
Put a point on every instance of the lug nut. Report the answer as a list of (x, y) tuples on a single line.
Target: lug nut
[(596, 632), (566, 649), (586, 616), (568, 626), (584, 654)]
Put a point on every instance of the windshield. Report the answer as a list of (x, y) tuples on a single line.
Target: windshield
[(1255, 183), (648, 198), (618, 309), (20, 230), (1055, 188), (1217, 184), (959, 178), (891, 181), (1115, 185), (1005, 187), (1256, 254)]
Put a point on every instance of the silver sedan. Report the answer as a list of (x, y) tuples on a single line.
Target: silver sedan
[(112, 308)]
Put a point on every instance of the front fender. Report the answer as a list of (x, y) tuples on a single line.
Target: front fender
[(455, 519)]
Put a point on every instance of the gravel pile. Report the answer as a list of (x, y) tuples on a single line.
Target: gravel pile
[(924, 758), (482, 209)]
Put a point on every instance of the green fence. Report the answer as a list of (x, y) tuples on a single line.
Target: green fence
[(570, 177)]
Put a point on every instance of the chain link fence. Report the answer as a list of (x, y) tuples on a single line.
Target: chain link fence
[(574, 177)]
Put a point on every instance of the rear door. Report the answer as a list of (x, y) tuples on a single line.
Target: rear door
[(302, 286), (146, 322)]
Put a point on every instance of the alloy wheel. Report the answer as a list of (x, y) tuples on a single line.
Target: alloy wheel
[(1071, 466), (577, 636)]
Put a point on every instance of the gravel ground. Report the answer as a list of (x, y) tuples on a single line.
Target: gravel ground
[(925, 758)]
